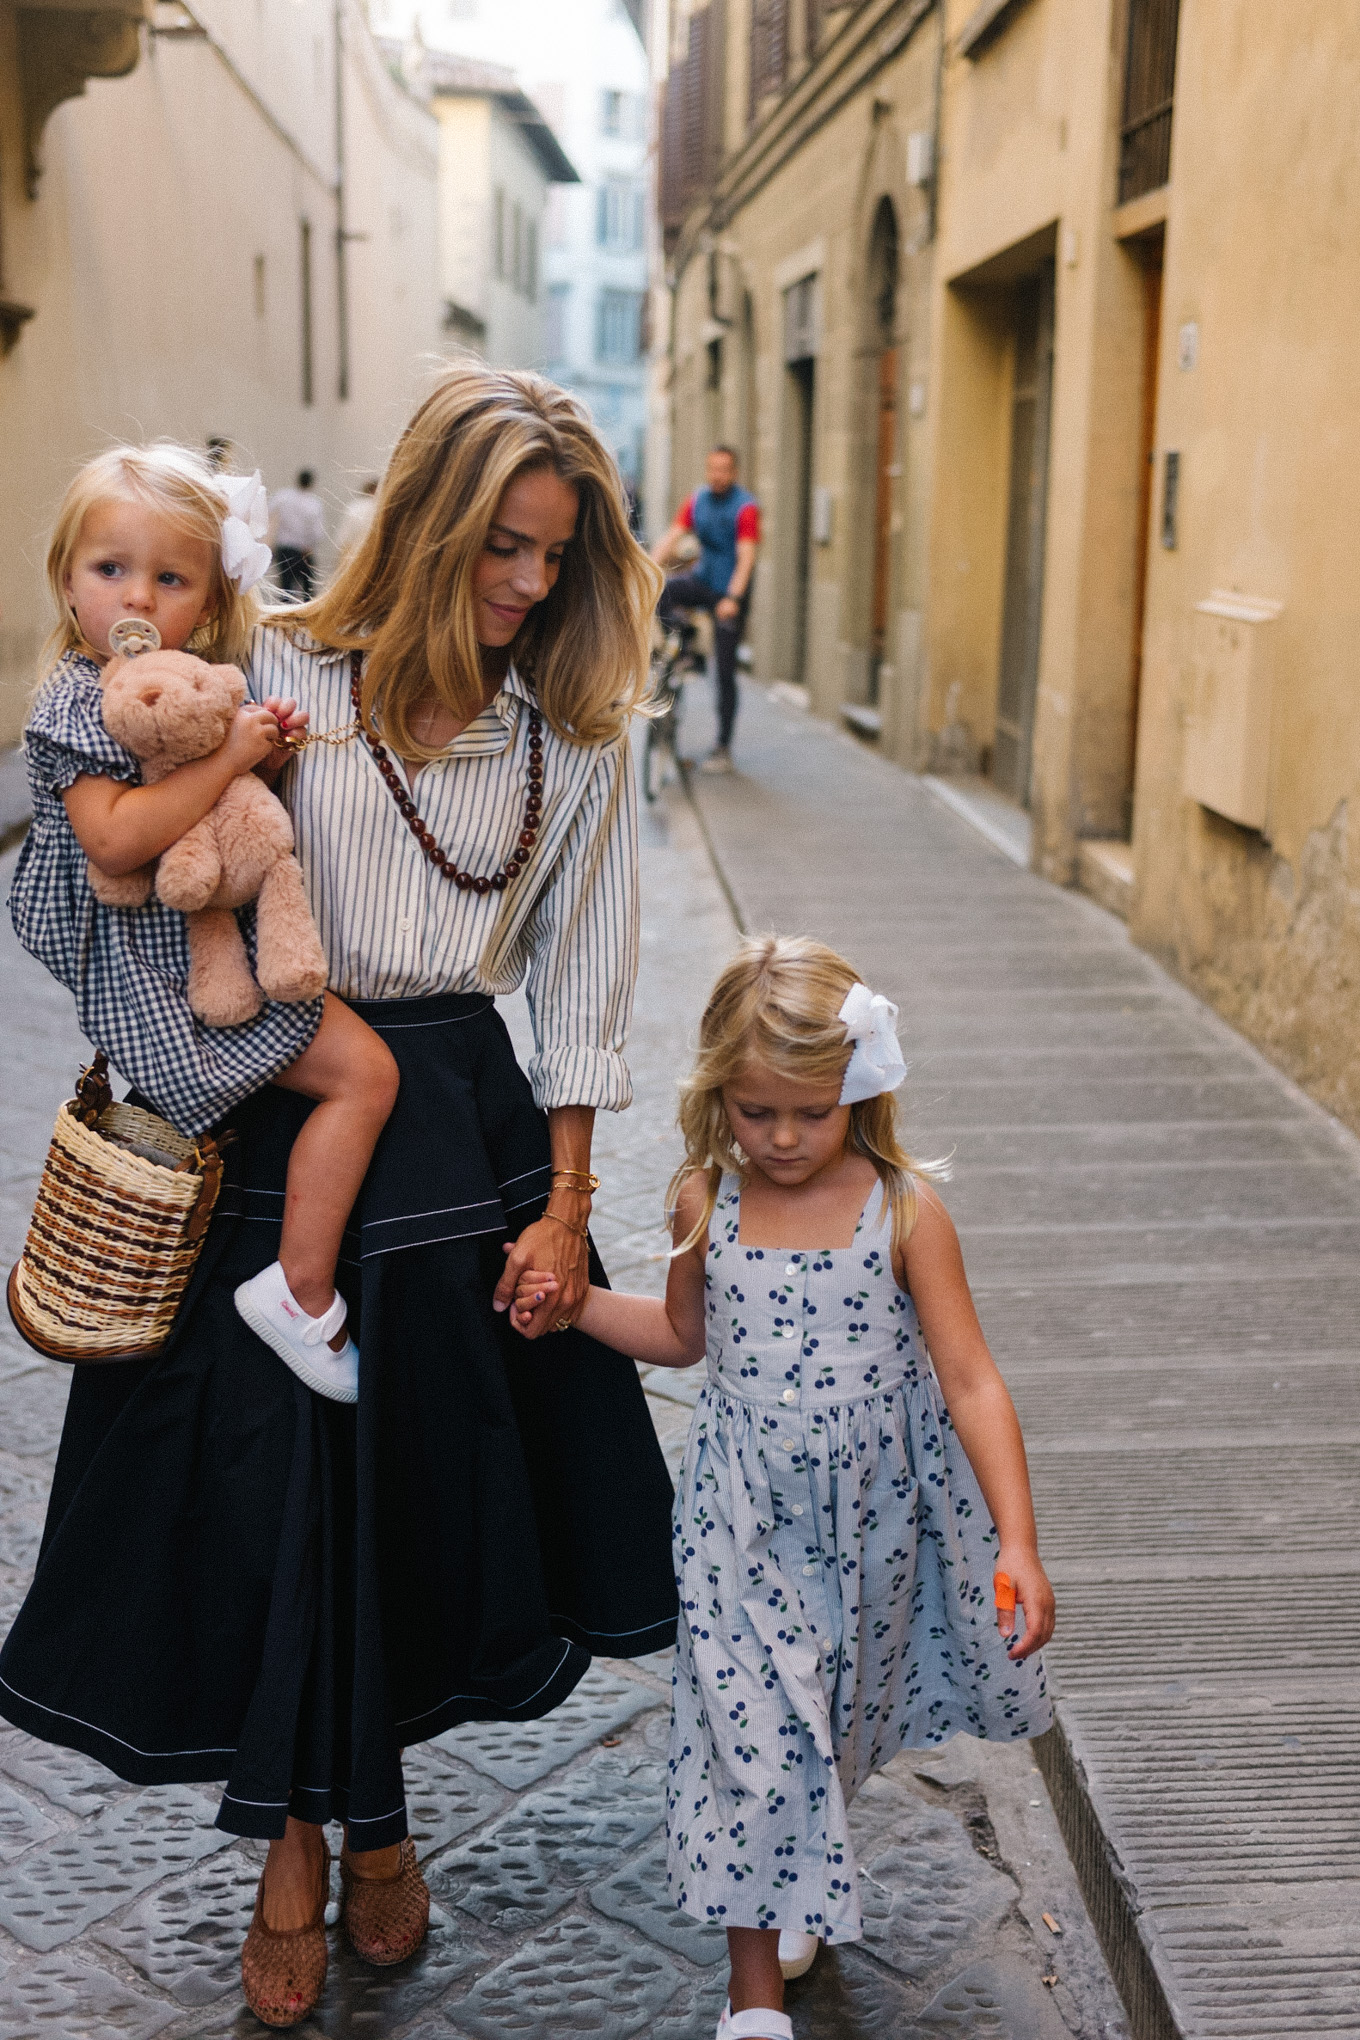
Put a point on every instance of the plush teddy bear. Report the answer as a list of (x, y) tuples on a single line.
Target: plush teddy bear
[(168, 708)]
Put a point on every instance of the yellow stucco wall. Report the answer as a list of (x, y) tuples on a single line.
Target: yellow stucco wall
[(1261, 256)]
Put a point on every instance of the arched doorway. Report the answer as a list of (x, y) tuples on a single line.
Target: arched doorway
[(881, 321)]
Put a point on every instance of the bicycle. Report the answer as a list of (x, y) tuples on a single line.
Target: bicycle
[(677, 657)]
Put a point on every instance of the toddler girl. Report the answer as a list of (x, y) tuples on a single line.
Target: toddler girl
[(843, 1504), (151, 533)]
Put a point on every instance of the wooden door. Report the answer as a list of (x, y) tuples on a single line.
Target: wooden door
[(1022, 613), (802, 377), (1152, 331), (885, 472)]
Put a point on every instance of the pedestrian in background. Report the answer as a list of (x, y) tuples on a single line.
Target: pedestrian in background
[(854, 1487), (725, 518), (243, 1580), (354, 524), (297, 531)]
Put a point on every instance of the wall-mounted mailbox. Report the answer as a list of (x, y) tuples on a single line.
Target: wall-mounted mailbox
[(1227, 745)]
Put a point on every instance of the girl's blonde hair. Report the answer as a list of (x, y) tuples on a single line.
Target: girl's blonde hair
[(777, 1004), (404, 596), (177, 484)]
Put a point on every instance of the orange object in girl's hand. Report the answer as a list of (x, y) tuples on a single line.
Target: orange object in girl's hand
[(1004, 1588)]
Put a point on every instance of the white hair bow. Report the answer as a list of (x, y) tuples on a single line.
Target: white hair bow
[(244, 559), (876, 1063)]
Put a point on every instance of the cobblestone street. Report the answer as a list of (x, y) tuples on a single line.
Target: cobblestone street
[(1115, 1147)]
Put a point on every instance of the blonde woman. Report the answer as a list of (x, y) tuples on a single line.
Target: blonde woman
[(240, 1579), (854, 1488)]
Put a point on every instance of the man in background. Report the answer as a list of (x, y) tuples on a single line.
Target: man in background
[(725, 519), (297, 531)]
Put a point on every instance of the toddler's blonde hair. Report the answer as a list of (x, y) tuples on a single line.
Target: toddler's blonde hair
[(776, 1004), (179, 485)]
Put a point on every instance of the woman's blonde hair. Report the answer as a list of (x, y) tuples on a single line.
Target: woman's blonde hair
[(179, 485), (776, 1004), (404, 596)]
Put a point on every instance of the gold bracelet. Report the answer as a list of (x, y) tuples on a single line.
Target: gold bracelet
[(575, 1177), (580, 1231)]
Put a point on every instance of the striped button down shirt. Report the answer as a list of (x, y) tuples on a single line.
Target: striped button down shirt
[(393, 927)]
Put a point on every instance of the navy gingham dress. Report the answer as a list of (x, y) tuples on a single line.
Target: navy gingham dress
[(129, 966)]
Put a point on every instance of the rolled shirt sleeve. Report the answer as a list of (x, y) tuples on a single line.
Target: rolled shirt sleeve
[(583, 943)]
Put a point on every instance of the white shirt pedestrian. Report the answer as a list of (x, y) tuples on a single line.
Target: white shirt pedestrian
[(299, 519)]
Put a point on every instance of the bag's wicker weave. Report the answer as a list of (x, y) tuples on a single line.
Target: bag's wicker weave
[(113, 1238)]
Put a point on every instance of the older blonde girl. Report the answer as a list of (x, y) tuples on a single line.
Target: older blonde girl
[(317, 1586), (854, 1479)]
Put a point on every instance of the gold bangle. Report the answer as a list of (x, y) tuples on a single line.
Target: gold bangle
[(581, 1232), (575, 1177)]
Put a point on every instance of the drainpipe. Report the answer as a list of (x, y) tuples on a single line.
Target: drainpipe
[(933, 211)]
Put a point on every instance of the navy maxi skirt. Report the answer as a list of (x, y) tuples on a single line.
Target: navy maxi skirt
[(241, 1580)]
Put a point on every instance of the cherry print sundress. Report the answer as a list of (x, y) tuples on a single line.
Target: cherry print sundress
[(834, 1557)]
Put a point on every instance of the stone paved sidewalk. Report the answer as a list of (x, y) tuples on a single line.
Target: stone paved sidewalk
[(1162, 1233), (122, 1911)]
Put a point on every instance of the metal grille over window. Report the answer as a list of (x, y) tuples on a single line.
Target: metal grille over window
[(1149, 88), (769, 49)]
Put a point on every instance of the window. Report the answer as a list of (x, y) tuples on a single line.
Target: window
[(769, 49), (531, 261), (517, 247), (619, 218), (619, 332), (1149, 85), (559, 307), (621, 114), (498, 230)]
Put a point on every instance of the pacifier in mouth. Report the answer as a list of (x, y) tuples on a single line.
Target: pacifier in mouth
[(132, 635)]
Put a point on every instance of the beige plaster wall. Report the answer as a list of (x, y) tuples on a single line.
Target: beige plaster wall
[(1261, 245), (162, 192)]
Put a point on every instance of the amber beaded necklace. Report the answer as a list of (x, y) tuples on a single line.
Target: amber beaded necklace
[(533, 805)]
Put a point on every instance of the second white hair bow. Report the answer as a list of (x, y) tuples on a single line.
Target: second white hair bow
[(245, 559), (876, 1063)]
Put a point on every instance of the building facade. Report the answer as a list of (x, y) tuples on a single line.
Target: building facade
[(1031, 319), (585, 66), (216, 223), (499, 162)]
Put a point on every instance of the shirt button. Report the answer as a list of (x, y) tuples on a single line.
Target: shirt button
[(797, 1509), (405, 924), (786, 1445), (790, 1331), (808, 1571), (793, 1269), (790, 1395)]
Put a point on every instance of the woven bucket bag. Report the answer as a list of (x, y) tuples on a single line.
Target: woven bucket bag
[(115, 1233)]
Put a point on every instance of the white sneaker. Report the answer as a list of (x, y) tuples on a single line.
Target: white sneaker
[(797, 1953), (274, 1314), (718, 761), (753, 2025)]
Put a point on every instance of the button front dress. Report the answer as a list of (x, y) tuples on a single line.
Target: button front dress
[(834, 1556)]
